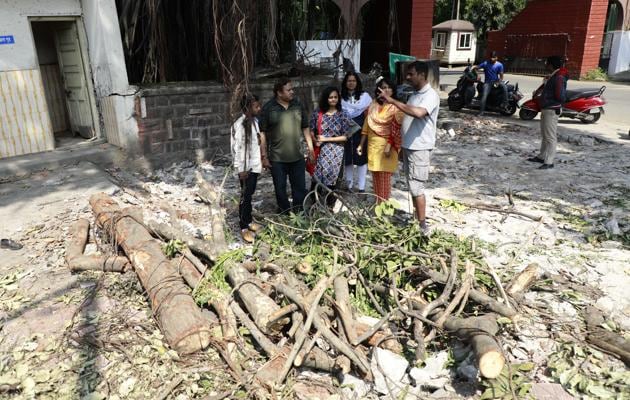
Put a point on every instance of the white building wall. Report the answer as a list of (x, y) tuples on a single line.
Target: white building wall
[(25, 124), (620, 53), (14, 21), (455, 56)]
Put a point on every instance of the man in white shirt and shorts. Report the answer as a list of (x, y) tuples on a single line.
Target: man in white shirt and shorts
[(418, 131)]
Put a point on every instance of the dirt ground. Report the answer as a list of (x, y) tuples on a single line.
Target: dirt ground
[(91, 335)]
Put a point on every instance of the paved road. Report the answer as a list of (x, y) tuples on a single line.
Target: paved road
[(617, 109)]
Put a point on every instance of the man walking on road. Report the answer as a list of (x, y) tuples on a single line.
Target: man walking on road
[(283, 123), (551, 100), (418, 130)]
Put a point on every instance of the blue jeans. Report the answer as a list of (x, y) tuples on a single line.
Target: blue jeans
[(487, 88), (295, 172)]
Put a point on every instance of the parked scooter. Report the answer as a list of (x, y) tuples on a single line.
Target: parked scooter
[(586, 105), (463, 96)]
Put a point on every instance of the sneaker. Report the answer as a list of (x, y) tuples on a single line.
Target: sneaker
[(254, 227), (426, 231), (546, 166), (10, 244), (248, 236), (535, 159)]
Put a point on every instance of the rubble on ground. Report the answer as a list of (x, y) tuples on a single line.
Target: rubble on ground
[(94, 335)]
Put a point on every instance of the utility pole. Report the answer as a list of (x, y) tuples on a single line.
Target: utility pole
[(457, 14)]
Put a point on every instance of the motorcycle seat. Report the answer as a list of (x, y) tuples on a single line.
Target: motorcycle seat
[(581, 93)]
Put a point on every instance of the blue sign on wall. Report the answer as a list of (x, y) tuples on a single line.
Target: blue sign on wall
[(7, 39)]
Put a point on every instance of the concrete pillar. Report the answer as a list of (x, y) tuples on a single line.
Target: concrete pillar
[(109, 72)]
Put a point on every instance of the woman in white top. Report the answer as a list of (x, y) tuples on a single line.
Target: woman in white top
[(355, 102), (245, 144)]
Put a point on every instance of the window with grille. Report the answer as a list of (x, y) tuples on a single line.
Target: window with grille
[(440, 41), (464, 41)]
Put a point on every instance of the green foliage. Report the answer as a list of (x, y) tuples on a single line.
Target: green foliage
[(375, 240), (596, 74), (489, 15), (173, 247), (452, 205), (584, 372), (513, 380), (386, 208), (215, 276), (443, 11)]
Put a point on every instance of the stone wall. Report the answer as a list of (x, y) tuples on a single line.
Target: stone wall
[(190, 120)]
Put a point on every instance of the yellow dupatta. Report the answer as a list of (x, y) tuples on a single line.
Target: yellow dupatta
[(384, 120)]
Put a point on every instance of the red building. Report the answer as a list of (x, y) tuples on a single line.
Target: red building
[(573, 28)]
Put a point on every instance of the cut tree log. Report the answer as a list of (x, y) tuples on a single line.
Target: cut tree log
[(523, 280), (610, 342), (480, 332), (342, 301), (260, 306), (212, 197), (345, 348), (77, 261), (200, 247), (312, 300), (179, 318), (188, 272), (476, 295), (219, 301), (378, 338)]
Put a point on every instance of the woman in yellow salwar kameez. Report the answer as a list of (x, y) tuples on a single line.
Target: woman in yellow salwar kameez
[(381, 130)]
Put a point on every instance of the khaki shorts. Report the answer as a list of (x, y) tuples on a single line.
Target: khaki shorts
[(416, 164)]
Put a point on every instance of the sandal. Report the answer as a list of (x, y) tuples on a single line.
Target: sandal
[(247, 235), (10, 244), (254, 227)]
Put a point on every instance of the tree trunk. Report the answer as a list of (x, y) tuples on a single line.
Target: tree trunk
[(479, 297), (77, 261), (609, 341), (179, 318), (260, 306), (523, 281), (203, 248), (342, 299), (212, 197), (480, 332)]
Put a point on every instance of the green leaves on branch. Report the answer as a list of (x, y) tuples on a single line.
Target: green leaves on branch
[(585, 373), (173, 247), (513, 382), (453, 205)]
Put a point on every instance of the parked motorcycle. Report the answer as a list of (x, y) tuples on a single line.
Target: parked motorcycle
[(586, 105), (463, 96)]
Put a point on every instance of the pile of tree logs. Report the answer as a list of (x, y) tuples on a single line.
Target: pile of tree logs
[(294, 324)]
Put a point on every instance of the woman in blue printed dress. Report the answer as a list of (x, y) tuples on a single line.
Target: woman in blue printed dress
[(329, 125)]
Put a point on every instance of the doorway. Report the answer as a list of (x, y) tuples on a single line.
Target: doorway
[(64, 74)]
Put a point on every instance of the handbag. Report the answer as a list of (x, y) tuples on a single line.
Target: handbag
[(310, 166)]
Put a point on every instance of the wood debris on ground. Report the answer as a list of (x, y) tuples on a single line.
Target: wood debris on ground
[(357, 293), (352, 304)]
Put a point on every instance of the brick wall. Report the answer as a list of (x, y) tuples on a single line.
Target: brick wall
[(583, 20), (191, 120), (421, 24)]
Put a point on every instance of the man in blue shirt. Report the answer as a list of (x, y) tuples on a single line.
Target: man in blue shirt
[(493, 74)]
